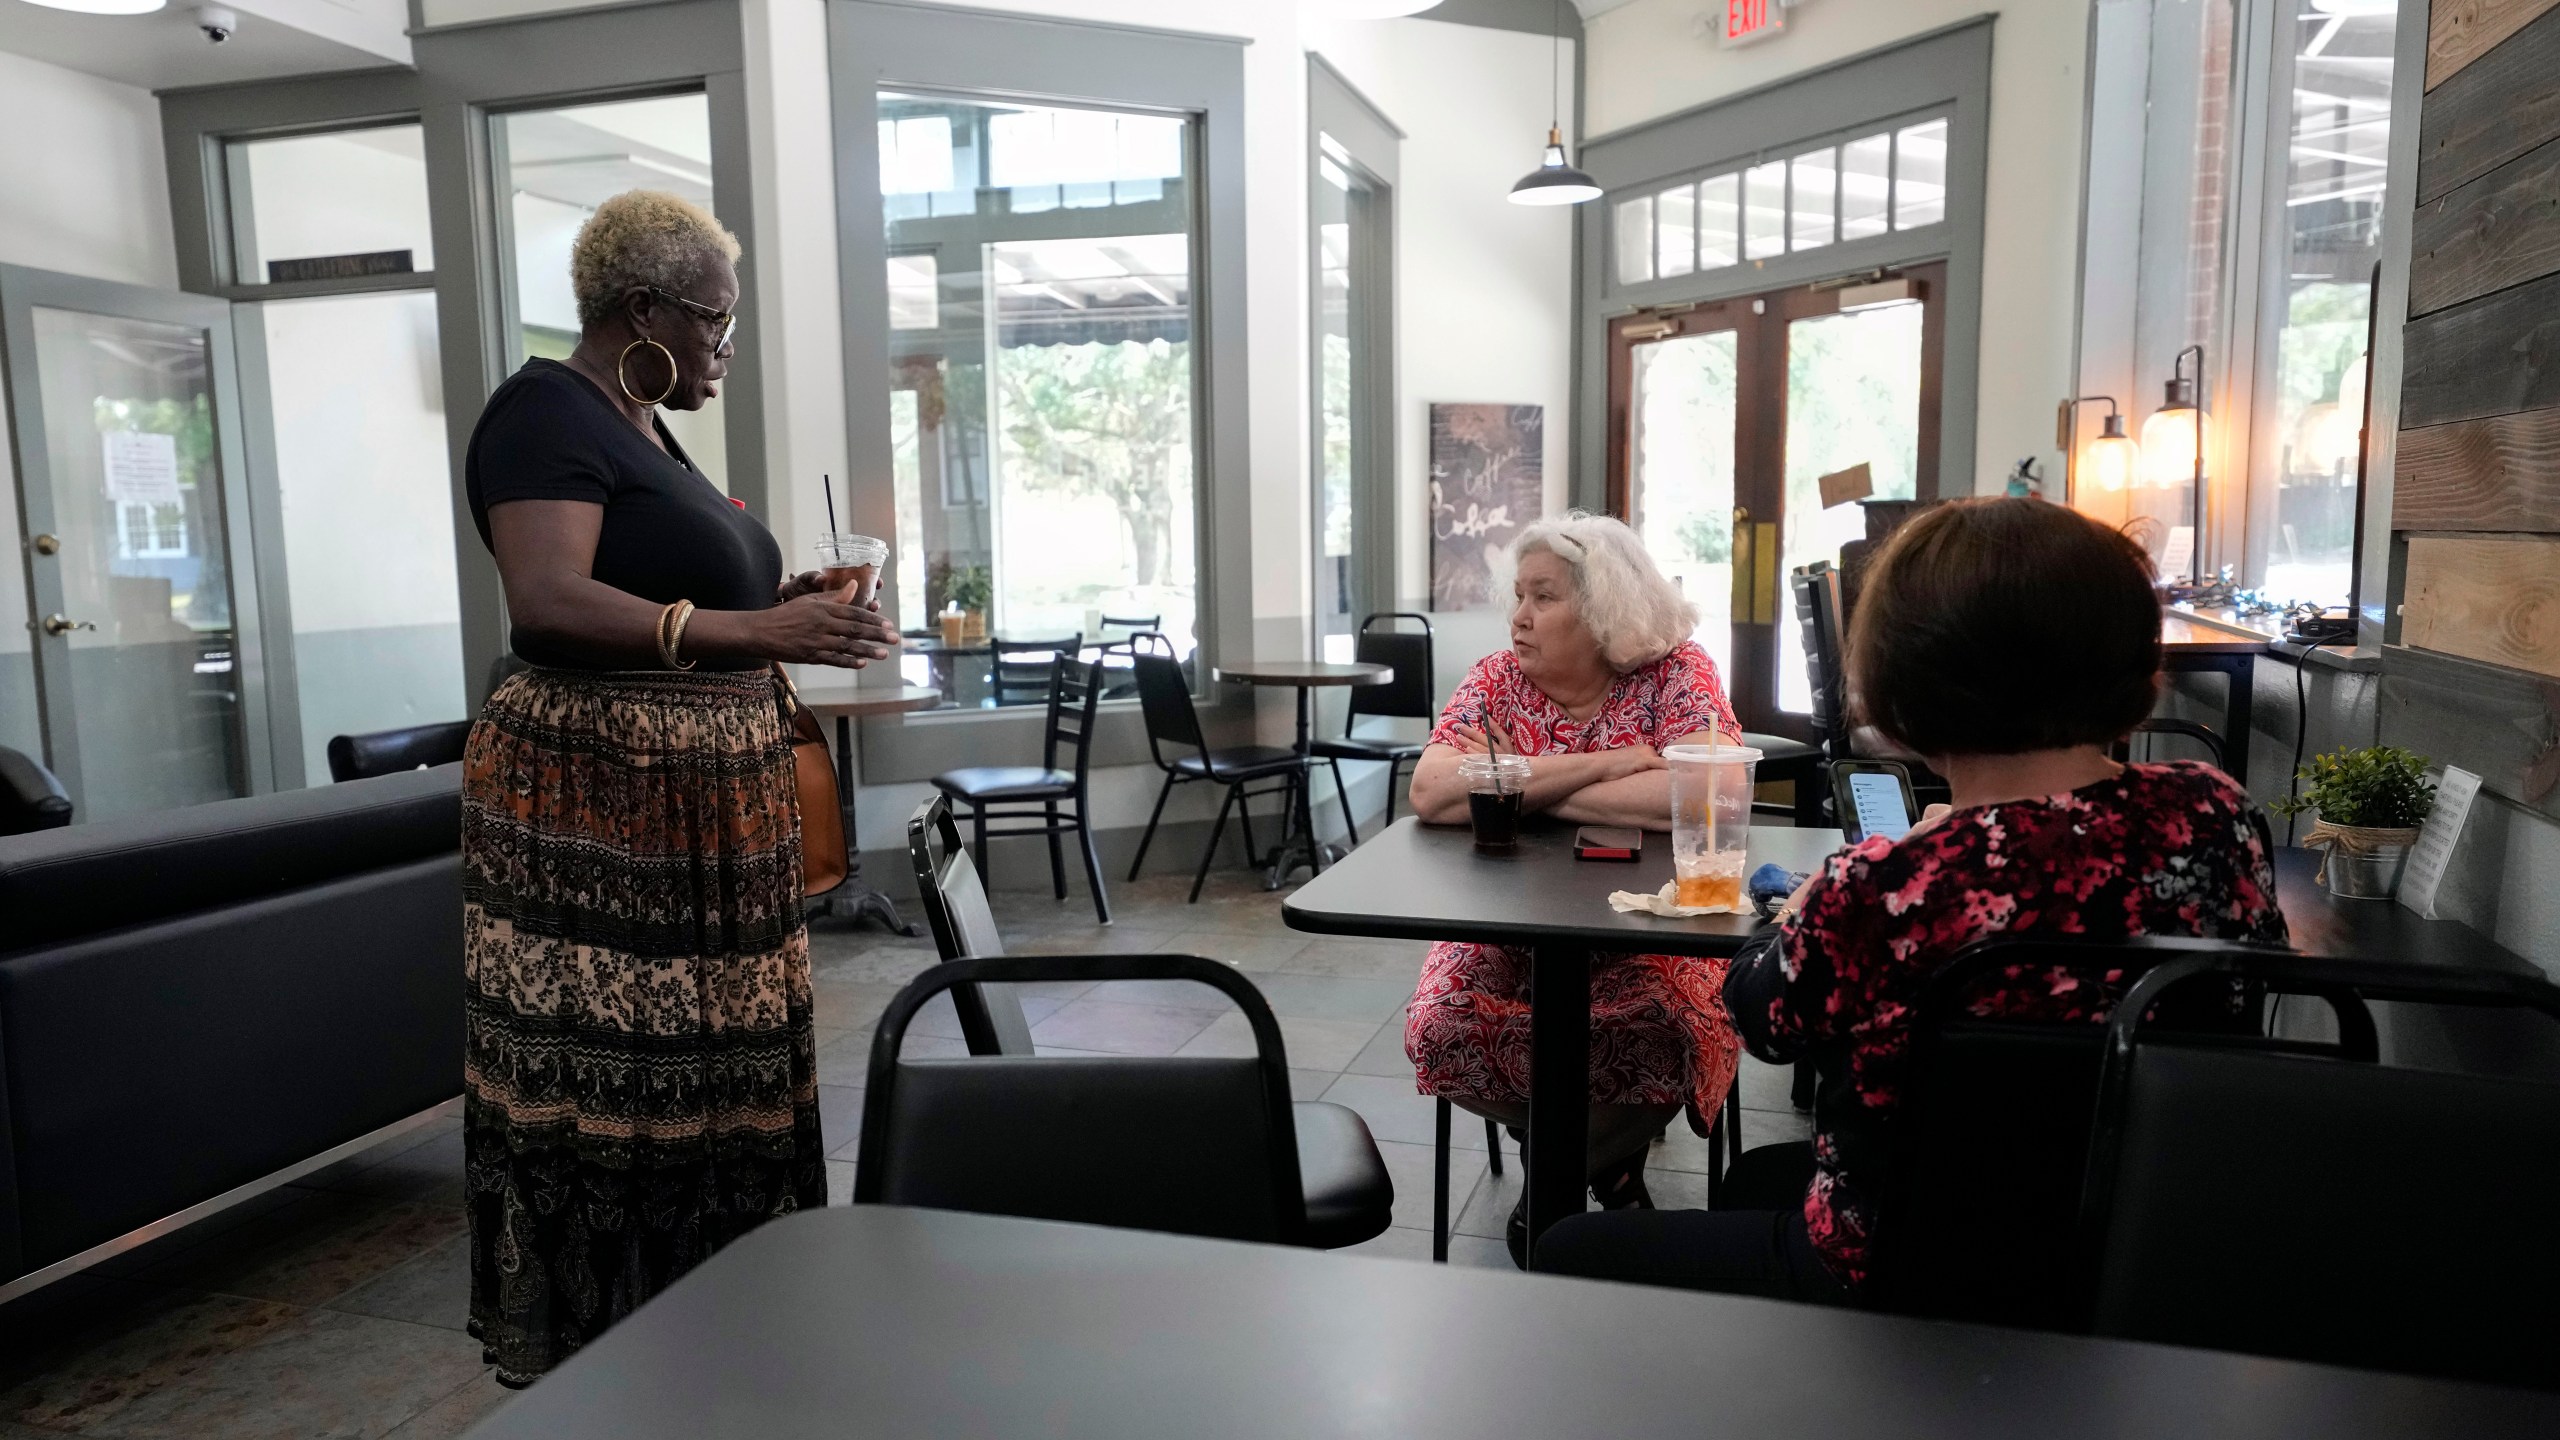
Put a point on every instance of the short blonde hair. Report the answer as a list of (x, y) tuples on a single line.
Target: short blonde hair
[(1627, 604), (638, 239)]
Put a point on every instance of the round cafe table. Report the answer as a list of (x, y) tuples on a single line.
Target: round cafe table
[(843, 701), (1298, 844)]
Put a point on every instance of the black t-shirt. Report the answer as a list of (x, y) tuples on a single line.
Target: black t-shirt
[(669, 534)]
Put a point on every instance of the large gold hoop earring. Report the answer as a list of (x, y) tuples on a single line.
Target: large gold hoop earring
[(672, 373)]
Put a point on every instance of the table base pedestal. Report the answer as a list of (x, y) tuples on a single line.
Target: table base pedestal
[(1559, 1087)]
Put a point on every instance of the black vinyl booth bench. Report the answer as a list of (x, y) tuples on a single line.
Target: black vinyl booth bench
[(201, 1004)]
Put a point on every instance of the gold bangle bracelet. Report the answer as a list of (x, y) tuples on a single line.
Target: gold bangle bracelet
[(671, 623)]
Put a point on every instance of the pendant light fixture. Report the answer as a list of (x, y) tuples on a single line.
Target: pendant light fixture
[(1555, 182)]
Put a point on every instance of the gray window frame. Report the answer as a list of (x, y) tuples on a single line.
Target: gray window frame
[(1336, 107), (465, 76), (874, 46), (1944, 72)]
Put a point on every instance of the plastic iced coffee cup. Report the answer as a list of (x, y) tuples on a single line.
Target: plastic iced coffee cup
[(1496, 787), (849, 566), (1711, 821)]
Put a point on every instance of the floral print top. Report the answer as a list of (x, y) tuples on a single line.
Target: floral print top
[(1659, 704), (2169, 849)]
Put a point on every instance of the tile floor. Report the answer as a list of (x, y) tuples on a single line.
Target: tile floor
[(334, 1306)]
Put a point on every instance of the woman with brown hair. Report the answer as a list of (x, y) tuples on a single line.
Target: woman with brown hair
[(639, 1071), (2010, 643)]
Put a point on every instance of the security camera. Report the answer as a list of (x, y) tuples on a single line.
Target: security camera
[(216, 22)]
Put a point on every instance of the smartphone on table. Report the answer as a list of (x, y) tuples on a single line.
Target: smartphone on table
[(1873, 797)]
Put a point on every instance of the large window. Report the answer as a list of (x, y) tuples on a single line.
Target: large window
[(1892, 180), (554, 168), (2336, 104), (2263, 157), (1042, 370)]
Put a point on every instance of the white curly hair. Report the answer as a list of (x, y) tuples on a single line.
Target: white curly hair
[(1626, 602), (638, 239)]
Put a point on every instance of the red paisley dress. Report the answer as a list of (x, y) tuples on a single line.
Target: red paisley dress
[(1658, 1031), (2172, 849)]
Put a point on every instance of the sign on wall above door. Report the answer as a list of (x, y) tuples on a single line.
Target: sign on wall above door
[(1746, 22)]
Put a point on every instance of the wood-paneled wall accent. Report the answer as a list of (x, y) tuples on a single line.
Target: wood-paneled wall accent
[(2500, 230), (2490, 356), (2491, 599), (2493, 111), (2461, 31), (2501, 725), (2501, 473)]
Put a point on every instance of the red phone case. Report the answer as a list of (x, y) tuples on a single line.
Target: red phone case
[(1597, 843)]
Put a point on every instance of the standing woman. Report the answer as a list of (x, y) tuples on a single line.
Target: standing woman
[(639, 1070)]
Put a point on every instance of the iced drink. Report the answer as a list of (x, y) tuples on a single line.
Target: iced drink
[(849, 567), (1710, 822), (1496, 787)]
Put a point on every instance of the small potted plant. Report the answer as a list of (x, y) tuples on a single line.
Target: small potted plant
[(970, 591), (2370, 803)]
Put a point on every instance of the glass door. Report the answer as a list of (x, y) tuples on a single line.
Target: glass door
[(1726, 418), (125, 423), (1677, 441)]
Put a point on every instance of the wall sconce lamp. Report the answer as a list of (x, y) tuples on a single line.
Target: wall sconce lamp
[(2173, 445), (2110, 461)]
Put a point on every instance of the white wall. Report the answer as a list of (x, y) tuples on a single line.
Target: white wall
[(1647, 60), (82, 186)]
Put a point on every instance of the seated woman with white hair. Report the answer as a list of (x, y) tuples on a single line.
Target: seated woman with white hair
[(1600, 678)]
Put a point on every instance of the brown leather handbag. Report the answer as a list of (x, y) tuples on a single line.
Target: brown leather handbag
[(822, 841)]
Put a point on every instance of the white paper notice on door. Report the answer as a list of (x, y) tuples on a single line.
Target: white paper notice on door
[(142, 468), (2436, 839)]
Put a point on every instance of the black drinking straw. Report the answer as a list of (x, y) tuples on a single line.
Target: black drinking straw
[(828, 484)]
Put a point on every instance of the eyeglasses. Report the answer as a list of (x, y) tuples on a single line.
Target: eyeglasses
[(726, 320)]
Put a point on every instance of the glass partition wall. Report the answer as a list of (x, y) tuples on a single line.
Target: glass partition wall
[(1042, 378), (554, 167), (355, 415)]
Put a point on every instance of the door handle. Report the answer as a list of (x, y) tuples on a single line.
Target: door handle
[(47, 545), (58, 624), (1740, 551)]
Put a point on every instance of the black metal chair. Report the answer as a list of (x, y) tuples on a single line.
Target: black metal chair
[(1034, 793), (1197, 1145), (1406, 697), (1980, 1220), (1012, 680), (2203, 735), (1165, 696), (1824, 608), (1119, 679), (31, 796), (2326, 1207), (388, 752)]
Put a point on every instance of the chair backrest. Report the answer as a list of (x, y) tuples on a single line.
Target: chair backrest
[(2164, 725), (31, 796), (2326, 1209), (1075, 689), (1408, 653), (1193, 1145), (1825, 635), (1014, 681), (388, 752), (1980, 1215), (1129, 626), (1164, 696), (964, 928)]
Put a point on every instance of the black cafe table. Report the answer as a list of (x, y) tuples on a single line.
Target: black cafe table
[(1426, 882), (1298, 843), (934, 1325)]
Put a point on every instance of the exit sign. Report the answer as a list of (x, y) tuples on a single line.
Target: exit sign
[(1748, 20)]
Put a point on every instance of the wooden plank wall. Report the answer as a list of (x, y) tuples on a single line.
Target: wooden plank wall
[(2476, 503)]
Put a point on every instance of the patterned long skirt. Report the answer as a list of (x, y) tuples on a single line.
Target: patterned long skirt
[(1659, 1032), (640, 1077)]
